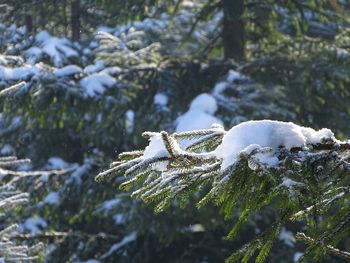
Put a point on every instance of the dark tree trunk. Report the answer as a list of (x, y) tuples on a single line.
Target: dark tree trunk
[(233, 29), (29, 23), (65, 23), (75, 22)]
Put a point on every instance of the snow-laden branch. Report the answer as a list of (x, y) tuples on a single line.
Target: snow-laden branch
[(247, 167), (10, 198)]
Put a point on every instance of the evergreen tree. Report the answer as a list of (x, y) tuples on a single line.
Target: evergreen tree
[(84, 101)]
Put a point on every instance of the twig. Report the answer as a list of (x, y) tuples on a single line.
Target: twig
[(330, 249)]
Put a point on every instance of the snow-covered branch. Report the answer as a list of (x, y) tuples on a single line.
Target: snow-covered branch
[(248, 167)]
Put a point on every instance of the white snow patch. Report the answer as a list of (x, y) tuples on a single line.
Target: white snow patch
[(58, 49), (287, 237), (80, 171), (33, 54), (112, 70), (19, 73), (129, 120), (109, 204), (199, 116), (234, 75), (297, 255), (205, 103), (160, 99), (290, 184), (98, 66), (127, 239), (95, 84), (156, 149), (220, 87), (52, 198), (7, 149), (34, 224), (194, 228), (342, 53), (267, 133), (57, 163), (67, 71), (119, 219)]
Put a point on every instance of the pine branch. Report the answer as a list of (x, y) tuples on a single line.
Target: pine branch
[(11, 90), (330, 249), (57, 234)]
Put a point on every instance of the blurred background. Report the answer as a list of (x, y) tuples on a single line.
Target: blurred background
[(100, 72)]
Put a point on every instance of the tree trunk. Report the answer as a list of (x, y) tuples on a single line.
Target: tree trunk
[(29, 23), (233, 29), (75, 22)]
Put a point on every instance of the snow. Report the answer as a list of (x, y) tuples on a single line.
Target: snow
[(95, 84), (205, 103), (188, 4), (33, 54), (67, 71), (80, 171), (119, 219), (112, 70), (263, 155), (98, 66), (220, 87), (57, 163), (34, 224), (156, 149), (160, 99), (266, 133), (7, 149), (287, 237), (296, 256), (194, 228), (234, 75), (109, 204), (127, 239), (129, 120), (58, 49), (52, 198), (19, 73), (199, 116), (290, 184), (341, 53)]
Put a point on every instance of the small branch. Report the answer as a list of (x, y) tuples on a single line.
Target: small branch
[(47, 235), (330, 249), (168, 144), (12, 89)]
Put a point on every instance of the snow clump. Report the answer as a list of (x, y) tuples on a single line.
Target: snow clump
[(267, 133), (200, 114)]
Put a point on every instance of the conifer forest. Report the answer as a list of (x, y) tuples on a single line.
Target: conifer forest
[(174, 131)]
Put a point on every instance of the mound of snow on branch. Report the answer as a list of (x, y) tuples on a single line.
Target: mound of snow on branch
[(200, 114), (67, 71), (251, 135), (58, 49), (18, 73), (156, 149), (95, 84)]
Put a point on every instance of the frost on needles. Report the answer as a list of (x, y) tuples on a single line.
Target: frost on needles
[(301, 172)]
